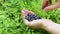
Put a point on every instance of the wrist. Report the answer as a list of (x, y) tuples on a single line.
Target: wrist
[(47, 24), (51, 27)]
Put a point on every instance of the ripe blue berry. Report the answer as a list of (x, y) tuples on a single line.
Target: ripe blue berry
[(31, 17), (37, 17)]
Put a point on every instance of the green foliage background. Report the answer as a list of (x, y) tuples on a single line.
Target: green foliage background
[(10, 16)]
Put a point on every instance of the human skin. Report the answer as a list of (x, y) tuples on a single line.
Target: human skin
[(45, 24), (47, 5)]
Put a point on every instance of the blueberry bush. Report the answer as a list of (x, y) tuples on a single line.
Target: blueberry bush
[(11, 20)]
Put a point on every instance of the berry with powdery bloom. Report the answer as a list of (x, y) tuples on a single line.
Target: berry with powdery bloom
[(31, 17)]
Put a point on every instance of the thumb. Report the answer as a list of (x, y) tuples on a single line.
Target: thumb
[(57, 5)]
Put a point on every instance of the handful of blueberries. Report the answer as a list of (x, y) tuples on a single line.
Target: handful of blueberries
[(31, 17)]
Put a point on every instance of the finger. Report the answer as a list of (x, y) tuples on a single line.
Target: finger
[(24, 13), (50, 2), (26, 22), (55, 0), (52, 7), (44, 4)]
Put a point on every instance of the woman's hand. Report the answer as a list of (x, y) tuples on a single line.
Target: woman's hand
[(36, 24), (47, 5), (45, 24), (33, 24)]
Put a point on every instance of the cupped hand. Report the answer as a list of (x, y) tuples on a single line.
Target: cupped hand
[(36, 24), (33, 24)]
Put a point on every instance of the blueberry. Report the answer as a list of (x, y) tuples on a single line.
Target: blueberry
[(29, 14), (31, 17), (37, 17), (27, 17), (31, 20)]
